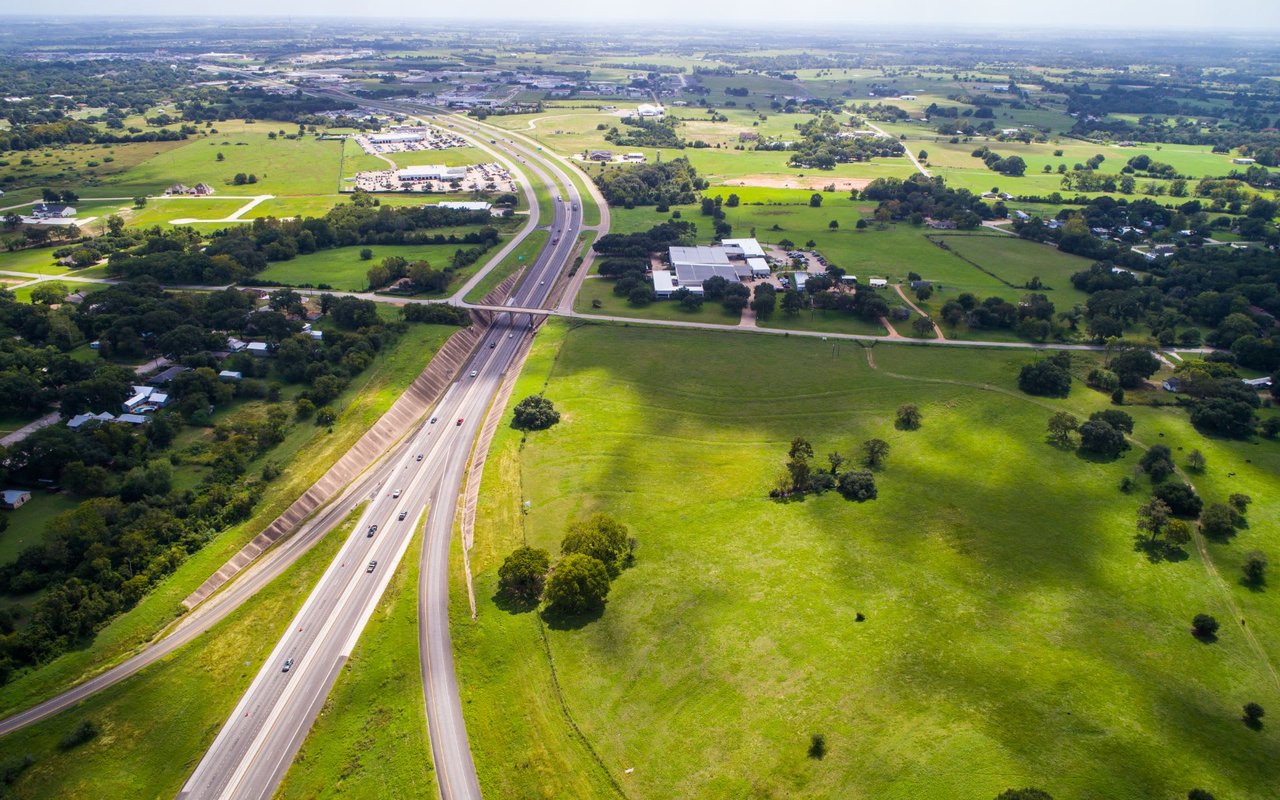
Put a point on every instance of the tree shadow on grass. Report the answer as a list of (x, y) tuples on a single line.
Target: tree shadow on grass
[(1158, 551), (1205, 637), (561, 621), (513, 605), (1257, 587)]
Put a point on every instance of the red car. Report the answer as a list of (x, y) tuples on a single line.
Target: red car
[(459, 420)]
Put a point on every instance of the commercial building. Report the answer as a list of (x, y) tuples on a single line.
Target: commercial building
[(395, 138), (466, 205), (744, 248), (431, 172), (14, 498)]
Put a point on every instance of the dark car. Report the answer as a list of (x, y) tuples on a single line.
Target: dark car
[(288, 665), (372, 530), (372, 566), (403, 514), (459, 421)]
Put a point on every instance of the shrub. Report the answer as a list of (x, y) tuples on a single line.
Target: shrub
[(1255, 568), (908, 417), (1045, 378), (1181, 499), (859, 485), (84, 732), (817, 746), (1253, 714)]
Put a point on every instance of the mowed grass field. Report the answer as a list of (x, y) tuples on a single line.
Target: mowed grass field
[(1013, 635), (344, 270)]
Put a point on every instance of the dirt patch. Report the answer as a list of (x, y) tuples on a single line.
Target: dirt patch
[(792, 182)]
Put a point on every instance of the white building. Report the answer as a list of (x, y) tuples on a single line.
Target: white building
[(258, 349), (744, 248), (878, 283), (230, 375), (649, 110), (665, 284), (395, 138), (759, 267), (431, 172), (14, 498), (139, 396), (466, 205)]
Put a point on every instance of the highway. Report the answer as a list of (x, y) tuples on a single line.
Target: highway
[(258, 742)]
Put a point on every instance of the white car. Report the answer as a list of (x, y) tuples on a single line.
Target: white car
[(474, 373)]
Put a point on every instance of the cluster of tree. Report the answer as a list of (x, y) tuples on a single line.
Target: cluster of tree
[(800, 477), (1032, 318), (593, 552), (233, 254), (1219, 402), (1013, 166), (435, 314), (1048, 377), (825, 143), (534, 413), (422, 276), (1102, 435), (646, 132), (668, 183), (920, 197), (641, 244), (254, 102)]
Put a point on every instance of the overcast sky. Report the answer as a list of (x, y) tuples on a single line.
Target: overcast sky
[(1102, 15)]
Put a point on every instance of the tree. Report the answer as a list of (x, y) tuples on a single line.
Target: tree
[(1181, 499), (1099, 437), (534, 413), (1204, 626), (1199, 794), (874, 452), (1045, 378), (523, 574), (833, 225), (1253, 714), (1157, 462), (1061, 426), (1218, 521), (600, 536), (1255, 568), (1133, 367), (815, 200), (326, 417), (49, 293), (791, 302), (909, 417), (140, 202), (800, 448), (578, 583), (1153, 516), (366, 254), (923, 326), (1196, 461), (1024, 794), (817, 746), (859, 485)]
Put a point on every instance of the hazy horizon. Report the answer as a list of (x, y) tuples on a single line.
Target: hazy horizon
[(1102, 16)]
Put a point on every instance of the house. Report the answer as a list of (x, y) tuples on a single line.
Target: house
[(235, 345), (921, 284), (14, 498), (316, 335), (907, 97), (202, 190), (52, 211), (230, 375), (878, 283), (748, 136), (259, 349), (139, 396), (1010, 131), (158, 399), (1021, 215), (943, 224), (1258, 383), (849, 280), (166, 377), (133, 419), (95, 345), (1243, 161), (649, 110), (1171, 385), (600, 155), (634, 158), (80, 420)]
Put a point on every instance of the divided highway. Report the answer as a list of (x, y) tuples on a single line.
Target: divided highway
[(257, 744)]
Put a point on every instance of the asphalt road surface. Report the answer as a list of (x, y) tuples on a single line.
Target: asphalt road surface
[(257, 744)]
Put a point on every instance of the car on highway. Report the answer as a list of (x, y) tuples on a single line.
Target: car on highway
[(288, 665), (433, 420), (474, 373), (542, 283), (459, 421), (372, 530), (492, 345), (510, 335), (403, 514), (397, 492), (372, 566), (419, 458)]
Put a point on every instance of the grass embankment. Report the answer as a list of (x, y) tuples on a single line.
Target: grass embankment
[(157, 724), (344, 270), (1014, 634), (306, 454), (372, 730), (522, 256)]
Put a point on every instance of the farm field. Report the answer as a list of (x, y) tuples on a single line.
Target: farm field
[(1057, 657)]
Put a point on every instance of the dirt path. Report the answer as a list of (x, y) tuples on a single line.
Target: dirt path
[(897, 287), (1201, 546), (888, 326), (905, 149)]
